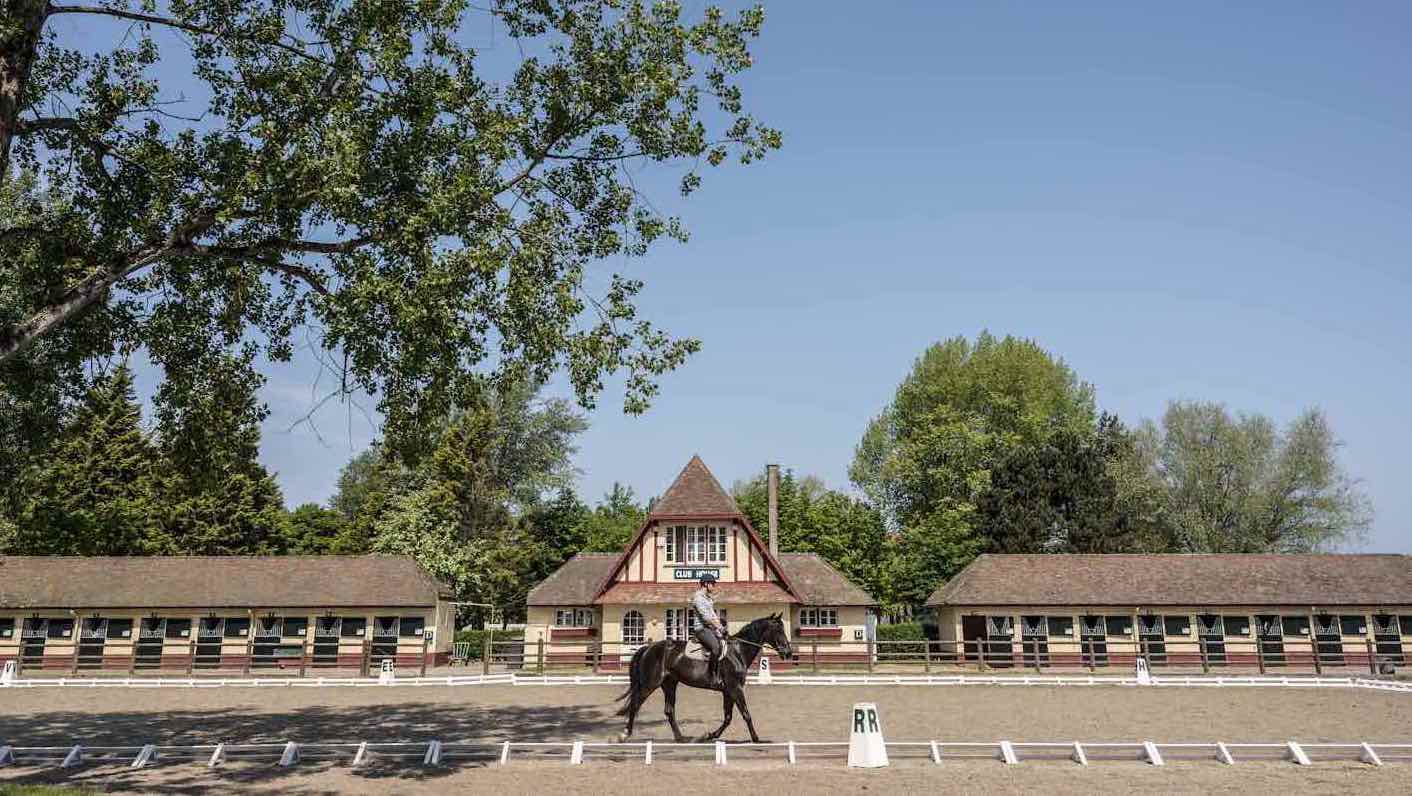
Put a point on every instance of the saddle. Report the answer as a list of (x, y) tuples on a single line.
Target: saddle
[(696, 651)]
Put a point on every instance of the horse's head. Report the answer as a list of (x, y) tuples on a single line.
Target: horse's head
[(775, 636)]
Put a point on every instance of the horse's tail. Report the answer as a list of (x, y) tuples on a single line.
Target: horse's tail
[(635, 677)]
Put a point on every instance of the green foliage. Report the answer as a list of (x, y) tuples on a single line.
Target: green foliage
[(97, 492), (847, 532), (1238, 484), (901, 632), (613, 522), (355, 168), (928, 459), (1071, 493), (312, 530)]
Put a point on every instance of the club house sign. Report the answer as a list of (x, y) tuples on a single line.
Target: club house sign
[(694, 573)]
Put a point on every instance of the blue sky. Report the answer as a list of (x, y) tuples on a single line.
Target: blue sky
[(1191, 201)]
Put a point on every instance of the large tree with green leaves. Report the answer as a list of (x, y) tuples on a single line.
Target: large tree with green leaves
[(191, 175), (926, 461), (1240, 484)]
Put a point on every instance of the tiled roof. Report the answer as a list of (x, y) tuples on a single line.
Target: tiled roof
[(696, 491), (215, 582), (727, 593), (1137, 580), (818, 583), (574, 583)]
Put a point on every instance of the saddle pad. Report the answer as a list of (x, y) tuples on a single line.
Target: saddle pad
[(696, 652)]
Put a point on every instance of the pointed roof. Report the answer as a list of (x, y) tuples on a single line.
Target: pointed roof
[(696, 491)]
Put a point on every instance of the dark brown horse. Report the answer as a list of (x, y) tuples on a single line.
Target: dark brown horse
[(664, 664)]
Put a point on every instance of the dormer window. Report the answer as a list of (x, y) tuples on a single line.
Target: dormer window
[(697, 544)]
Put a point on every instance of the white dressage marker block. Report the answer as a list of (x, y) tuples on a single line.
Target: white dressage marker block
[(8, 674), (146, 757), (866, 747), (387, 674), (765, 677), (1144, 677)]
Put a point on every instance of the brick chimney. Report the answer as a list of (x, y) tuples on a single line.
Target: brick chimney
[(772, 487)]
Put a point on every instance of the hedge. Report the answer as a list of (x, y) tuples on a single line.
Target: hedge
[(904, 631)]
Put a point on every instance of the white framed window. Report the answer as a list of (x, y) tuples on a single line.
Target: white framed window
[(695, 545), (716, 546), (818, 617), (671, 545), (573, 617), (634, 628), (676, 623)]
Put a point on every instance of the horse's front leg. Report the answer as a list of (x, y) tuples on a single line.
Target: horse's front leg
[(737, 693), (669, 695), (727, 714)]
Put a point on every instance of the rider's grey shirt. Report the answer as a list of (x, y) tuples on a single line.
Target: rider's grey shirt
[(701, 601)]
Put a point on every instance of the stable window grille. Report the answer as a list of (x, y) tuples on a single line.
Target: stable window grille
[(1269, 626), (35, 628), (818, 617), (1325, 625), (1060, 626), (1149, 625), (327, 627), (1385, 624), (676, 623), (61, 628), (1032, 625), (634, 628), (999, 625), (1353, 625), (1210, 625), (354, 627), (268, 627), (237, 628), (211, 627), (153, 627), (1174, 625), (95, 628), (1092, 625), (385, 627), (412, 626)]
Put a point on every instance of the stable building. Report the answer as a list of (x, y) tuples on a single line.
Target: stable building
[(1221, 609), (221, 613), (601, 607)]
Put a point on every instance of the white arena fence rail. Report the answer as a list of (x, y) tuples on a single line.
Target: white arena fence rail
[(937, 752), (842, 680)]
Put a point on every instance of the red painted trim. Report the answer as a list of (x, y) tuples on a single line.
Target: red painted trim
[(572, 632), (821, 632)]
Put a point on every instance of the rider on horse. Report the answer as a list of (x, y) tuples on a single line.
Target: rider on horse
[(711, 633)]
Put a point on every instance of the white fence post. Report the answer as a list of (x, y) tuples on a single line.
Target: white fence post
[(1367, 756), (793, 758), (647, 754), (1079, 756), (936, 753), (147, 756), (720, 753), (1007, 753), (1296, 753), (7, 756), (576, 754), (1153, 756), (290, 755), (73, 758), (361, 755), (218, 756), (433, 755), (1223, 754), (505, 753)]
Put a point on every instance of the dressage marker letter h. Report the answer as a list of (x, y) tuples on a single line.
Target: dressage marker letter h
[(866, 748)]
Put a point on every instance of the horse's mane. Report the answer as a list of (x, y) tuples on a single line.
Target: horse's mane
[(754, 630)]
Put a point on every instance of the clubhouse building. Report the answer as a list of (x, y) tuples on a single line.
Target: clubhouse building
[(605, 605), (1100, 609), (221, 613)]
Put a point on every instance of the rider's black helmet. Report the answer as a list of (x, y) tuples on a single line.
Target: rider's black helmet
[(708, 577)]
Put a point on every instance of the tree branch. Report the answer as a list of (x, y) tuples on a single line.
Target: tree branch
[(170, 22)]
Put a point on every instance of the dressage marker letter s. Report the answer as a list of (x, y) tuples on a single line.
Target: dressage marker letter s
[(866, 747)]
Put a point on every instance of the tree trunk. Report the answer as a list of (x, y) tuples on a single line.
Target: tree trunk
[(18, 47)]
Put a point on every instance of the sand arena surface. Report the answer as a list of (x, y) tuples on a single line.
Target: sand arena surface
[(801, 713)]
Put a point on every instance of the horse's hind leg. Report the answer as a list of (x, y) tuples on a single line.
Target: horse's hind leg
[(727, 714), (669, 695)]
